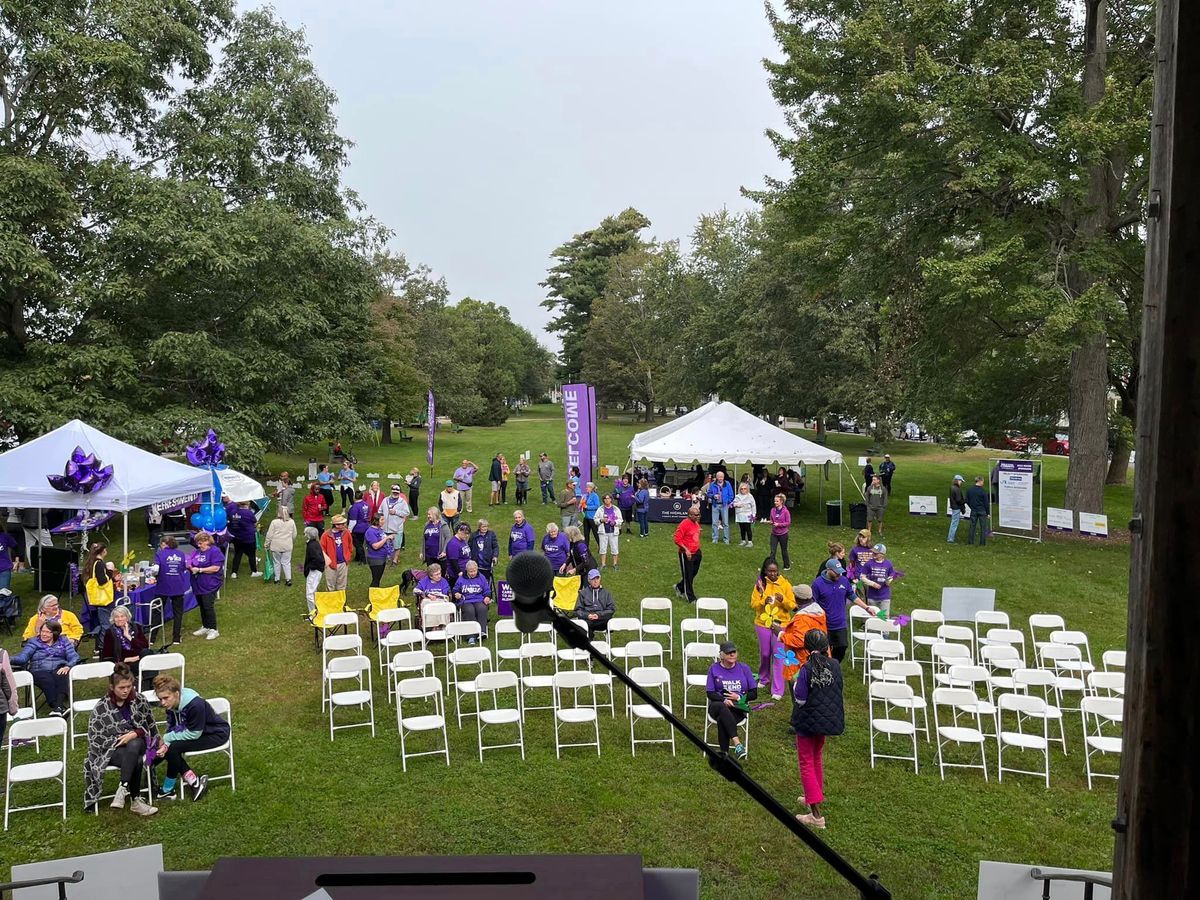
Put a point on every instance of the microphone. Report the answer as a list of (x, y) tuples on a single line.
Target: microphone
[(531, 578)]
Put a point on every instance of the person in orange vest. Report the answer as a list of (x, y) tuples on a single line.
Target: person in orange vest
[(809, 615)]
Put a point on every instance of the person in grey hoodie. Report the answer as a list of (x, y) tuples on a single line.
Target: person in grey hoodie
[(595, 605), (546, 476)]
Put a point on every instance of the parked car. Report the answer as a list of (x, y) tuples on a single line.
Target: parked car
[(1059, 445)]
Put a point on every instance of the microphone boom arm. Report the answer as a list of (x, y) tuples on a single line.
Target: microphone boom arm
[(725, 765)]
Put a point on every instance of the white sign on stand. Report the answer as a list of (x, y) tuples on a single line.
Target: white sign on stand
[(1059, 519), (1093, 524), (922, 505)]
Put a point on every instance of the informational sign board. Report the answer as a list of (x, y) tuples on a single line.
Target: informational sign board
[(1016, 494), (1093, 524), (923, 505), (1059, 519), (862, 461), (504, 600)]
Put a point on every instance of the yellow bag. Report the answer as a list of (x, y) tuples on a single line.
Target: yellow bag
[(99, 594), (566, 592)]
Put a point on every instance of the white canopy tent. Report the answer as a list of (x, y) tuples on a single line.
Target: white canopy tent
[(139, 478), (239, 487), (720, 431)]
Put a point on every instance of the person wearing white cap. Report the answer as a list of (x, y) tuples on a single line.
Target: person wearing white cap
[(958, 506), (887, 469)]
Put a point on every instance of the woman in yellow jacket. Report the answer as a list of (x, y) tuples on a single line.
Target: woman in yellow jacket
[(98, 583), (48, 609), (772, 601)]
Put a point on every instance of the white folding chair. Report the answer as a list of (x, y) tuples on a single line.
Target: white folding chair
[(343, 667), (1043, 622), (1113, 660), (505, 650), (620, 632), (883, 693), (877, 651), (1024, 707), (578, 712), (468, 661), (534, 680), (1100, 714), (24, 682), (77, 706), (706, 652), (643, 653), (334, 646), (699, 627), (655, 629), (989, 618), (916, 638), (406, 664), (42, 770), (221, 707), (458, 635), (436, 615), (1070, 669), (958, 634), (743, 726), (399, 640), (968, 677), (944, 656), (649, 678), (412, 690), (717, 609), (1045, 680), (1106, 684), (343, 620), (1004, 637), (1075, 639), (569, 654), (958, 702), (1001, 660), (155, 663), (903, 671), (396, 618), (859, 636), (492, 683)]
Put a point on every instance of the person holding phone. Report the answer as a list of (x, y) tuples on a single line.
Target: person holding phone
[(730, 682)]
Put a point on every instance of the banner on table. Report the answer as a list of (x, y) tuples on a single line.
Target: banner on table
[(1016, 494), (1093, 524), (1059, 519), (82, 521), (431, 412), (578, 416), (922, 505)]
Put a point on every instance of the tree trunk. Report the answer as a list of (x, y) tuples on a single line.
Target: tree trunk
[(821, 436), (1088, 377), (386, 436), (1118, 466)]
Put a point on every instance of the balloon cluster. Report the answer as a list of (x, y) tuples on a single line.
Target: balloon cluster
[(210, 518), (83, 474), (208, 452)]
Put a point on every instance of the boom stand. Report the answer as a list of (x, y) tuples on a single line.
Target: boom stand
[(725, 765)]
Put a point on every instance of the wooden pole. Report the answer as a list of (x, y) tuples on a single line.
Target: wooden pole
[(1158, 802)]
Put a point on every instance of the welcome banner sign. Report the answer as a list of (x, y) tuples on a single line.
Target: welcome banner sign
[(579, 413)]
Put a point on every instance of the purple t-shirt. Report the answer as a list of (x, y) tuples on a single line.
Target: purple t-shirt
[(463, 477), (738, 679), (879, 572), (437, 590), (555, 549), (473, 589), (173, 579), (207, 582), (372, 536), (458, 552), (432, 537), (242, 523), (521, 538), (359, 513), (7, 546), (859, 557), (832, 596), (781, 519)]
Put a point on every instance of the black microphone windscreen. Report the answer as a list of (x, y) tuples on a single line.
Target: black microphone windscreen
[(530, 576)]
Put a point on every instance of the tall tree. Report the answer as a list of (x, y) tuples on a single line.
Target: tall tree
[(579, 276)]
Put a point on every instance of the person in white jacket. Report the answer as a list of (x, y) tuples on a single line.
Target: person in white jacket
[(745, 511), (395, 511), (281, 535)]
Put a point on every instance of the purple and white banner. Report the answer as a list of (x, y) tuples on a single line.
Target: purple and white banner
[(82, 521), (431, 414), (579, 413), (595, 432)]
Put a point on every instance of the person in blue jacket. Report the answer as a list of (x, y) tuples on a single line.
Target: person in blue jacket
[(720, 496), (641, 507), (522, 537), (49, 657), (192, 724)]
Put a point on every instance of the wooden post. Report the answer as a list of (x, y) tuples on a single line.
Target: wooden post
[(1158, 801)]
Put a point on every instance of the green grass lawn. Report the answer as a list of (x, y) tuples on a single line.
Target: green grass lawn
[(300, 794)]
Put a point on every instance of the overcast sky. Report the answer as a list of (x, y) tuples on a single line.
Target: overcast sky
[(486, 134)]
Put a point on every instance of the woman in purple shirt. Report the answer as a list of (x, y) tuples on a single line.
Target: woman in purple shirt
[(555, 546), (729, 683), (473, 594), (522, 537), (877, 574), (434, 536), (458, 551), (207, 565), (378, 547), (781, 523), (243, 532), (172, 582)]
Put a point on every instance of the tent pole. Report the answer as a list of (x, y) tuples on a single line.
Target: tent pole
[(42, 551), (125, 538), (841, 502)]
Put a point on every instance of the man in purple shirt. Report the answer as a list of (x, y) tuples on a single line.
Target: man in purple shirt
[(172, 582), (464, 478), (522, 537), (833, 591), (729, 684)]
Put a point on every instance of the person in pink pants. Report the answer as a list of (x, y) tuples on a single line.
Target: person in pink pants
[(817, 713), (773, 601)]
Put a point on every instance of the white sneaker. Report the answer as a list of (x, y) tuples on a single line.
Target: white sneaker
[(749, 543), (140, 807), (233, 575), (200, 632), (119, 798), (256, 574), (213, 634)]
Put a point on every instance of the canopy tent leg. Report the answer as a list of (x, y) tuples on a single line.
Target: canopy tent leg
[(841, 502), (41, 551), (125, 538)]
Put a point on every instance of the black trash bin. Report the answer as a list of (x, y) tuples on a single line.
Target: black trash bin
[(833, 512), (858, 516)]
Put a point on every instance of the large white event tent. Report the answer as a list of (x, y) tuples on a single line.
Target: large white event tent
[(139, 478), (720, 431)]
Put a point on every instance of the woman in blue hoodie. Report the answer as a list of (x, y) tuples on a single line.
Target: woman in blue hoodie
[(191, 725), (49, 657)]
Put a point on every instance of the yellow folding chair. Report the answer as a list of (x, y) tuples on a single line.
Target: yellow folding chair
[(566, 592), (379, 599), (329, 603)]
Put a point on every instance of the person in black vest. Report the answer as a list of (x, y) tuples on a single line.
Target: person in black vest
[(817, 712)]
